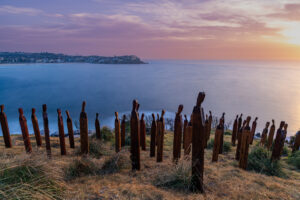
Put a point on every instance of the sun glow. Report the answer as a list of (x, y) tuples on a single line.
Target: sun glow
[(292, 34)]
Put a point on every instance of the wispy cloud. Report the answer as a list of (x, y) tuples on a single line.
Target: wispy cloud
[(19, 10)]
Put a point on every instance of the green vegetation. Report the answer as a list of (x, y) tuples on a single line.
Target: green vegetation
[(116, 163), (294, 159), (81, 167), (226, 145)]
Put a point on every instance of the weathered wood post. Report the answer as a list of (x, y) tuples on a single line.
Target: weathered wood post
[(234, 131), (271, 135), (143, 132), (277, 143), (117, 133), (36, 128), (46, 130), (240, 121), (160, 137), (206, 131), (61, 132), (282, 139), (123, 129), (297, 142), (209, 127), (5, 129), (239, 137), (216, 148), (135, 137), (188, 139), (246, 136), (25, 132), (253, 129), (177, 134), (153, 136), (70, 130), (84, 131), (222, 135), (264, 134), (185, 124), (198, 140), (97, 127)]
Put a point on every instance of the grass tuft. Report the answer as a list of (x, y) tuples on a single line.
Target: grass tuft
[(81, 167), (294, 159), (116, 163)]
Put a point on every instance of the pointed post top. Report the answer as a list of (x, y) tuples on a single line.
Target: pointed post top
[(134, 105), (137, 107), (162, 113), (273, 122), (44, 107), (241, 115), (256, 118), (33, 111), (237, 116), (267, 124), (153, 116), (59, 112), (200, 98), (124, 117), (83, 106), (142, 118), (68, 114), (21, 111), (117, 115), (185, 117), (97, 115), (180, 108), (285, 127), (2, 107), (210, 113), (281, 124), (248, 120)]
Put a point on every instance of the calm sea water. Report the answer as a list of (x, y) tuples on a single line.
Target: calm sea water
[(268, 90)]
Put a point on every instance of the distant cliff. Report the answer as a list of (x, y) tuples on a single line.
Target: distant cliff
[(22, 57)]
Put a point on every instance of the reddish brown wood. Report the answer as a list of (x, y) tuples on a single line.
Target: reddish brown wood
[(70, 130), (143, 133), (25, 132), (253, 129), (240, 121), (264, 134), (297, 142), (282, 139), (177, 134), (157, 120), (117, 133), (209, 127), (123, 128), (36, 128), (277, 143), (217, 140), (135, 137), (271, 135), (185, 124), (206, 124), (222, 135), (160, 137), (239, 137), (61, 131), (188, 139), (234, 131), (46, 130), (153, 136), (5, 129), (84, 131), (198, 140), (245, 142), (97, 127)]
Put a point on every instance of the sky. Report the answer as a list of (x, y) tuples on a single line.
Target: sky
[(154, 29)]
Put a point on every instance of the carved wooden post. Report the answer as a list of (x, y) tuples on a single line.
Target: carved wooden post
[(209, 127), (84, 133), (240, 121), (297, 142), (239, 137), (61, 132), (282, 139), (177, 134), (36, 128), (253, 129), (185, 124), (123, 128), (153, 136), (264, 134), (25, 133), (160, 137), (245, 142), (277, 143), (143, 133), (234, 131), (70, 130), (222, 135), (271, 135), (188, 139), (206, 124), (157, 120), (117, 133), (217, 140), (135, 137), (198, 140), (46, 130), (5, 129), (97, 127)]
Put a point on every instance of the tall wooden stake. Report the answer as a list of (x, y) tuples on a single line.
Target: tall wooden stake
[(153, 136), (97, 127), (84, 131), (217, 140), (297, 142), (36, 128), (143, 133), (264, 134), (123, 129), (239, 137), (46, 130), (177, 134), (282, 139), (198, 145), (160, 137), (188, 139), (253, 129), (246, 136), (5, 129), (206, 124), (117, 133), (185, 124), (222, 135), (61, 131), (209, 126), (234, 131), (277, 143), (135, 137), (25, 132), (271, 135), (70, 130)]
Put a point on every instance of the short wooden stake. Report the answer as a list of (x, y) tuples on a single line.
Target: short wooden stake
[(70, 130), (177, 134), (46, 130), (61, 132), (123, 129), (206, 131), (297, 142), (5, 129), (253, 129), (153, 136), (245, 141), (239, 138), (271, 135), (117, 133), (97, 127), (135, 137), (277, 143), (25, 132), (185, 124), (160, 137), (209, 127), (282, 139), (84, 131), (264, 134), (36, 128), (234, 131), (143, 133), (217, 140)]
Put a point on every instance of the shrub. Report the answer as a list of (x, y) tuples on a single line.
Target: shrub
[(285, 151), (80, 167), (116, 163), (227, 133), (210, 144), (259, 161), (107, 134), (226, 147), (294, 159)]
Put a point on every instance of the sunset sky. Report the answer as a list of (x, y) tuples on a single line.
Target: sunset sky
[(156, 29)]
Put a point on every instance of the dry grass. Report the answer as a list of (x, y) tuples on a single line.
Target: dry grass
[(108, 176)]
